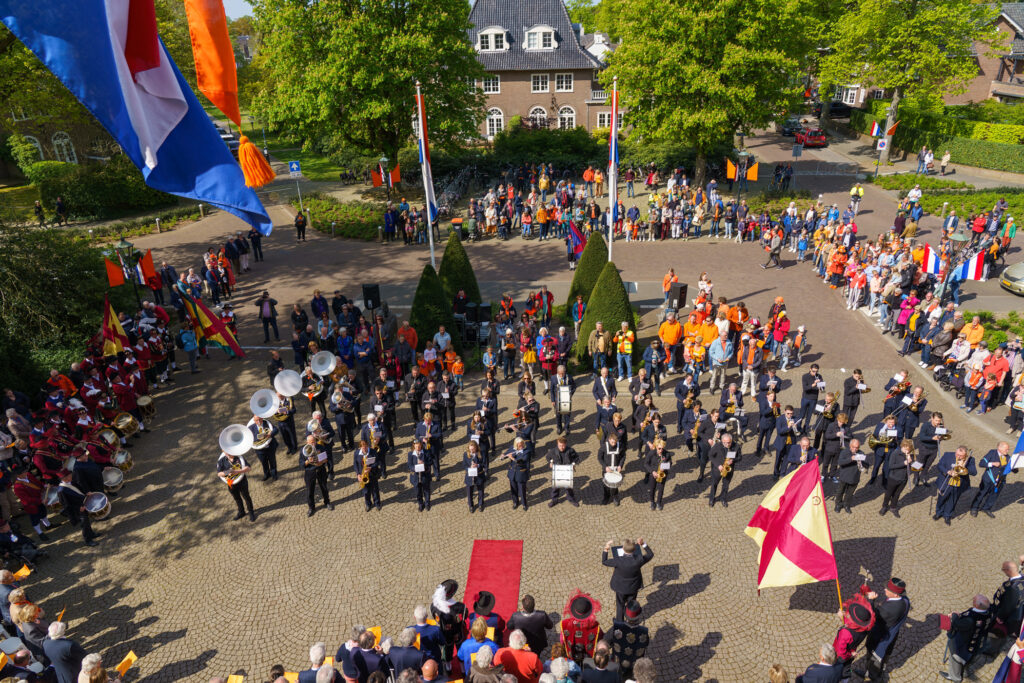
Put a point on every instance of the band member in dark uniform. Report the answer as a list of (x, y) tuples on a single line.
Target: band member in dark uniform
[(658, 466), (640, 387), (837, 434), (324, 434), (891, 612), (560, 379), (993, 479), (932, 432), (313, 462), (627, 574), (382, 404), (707, 433), (896, 388), (897, 472), (264, 434), (967, 632), (955, 472), (342, 405), (414, 386), (800, 453), (431, 402), (850, 468), (612, 456), (826, 417), (475, 465), (449, 390), (651, 433), (429, 432), (314, 387), (367, 465), (686, 391), (910, 412), (888, 436), (478, 432), (530, 411), (518, 472), (487, 406), (690, 421), (731, 402), (851, 394), (73, 501), (812, 383), (419, 472), (563, 454), (617, 426), (723, 455), (768, 411), (785, 435)]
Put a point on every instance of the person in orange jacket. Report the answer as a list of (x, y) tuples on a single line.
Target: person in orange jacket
[(667, 282), (671, 333)]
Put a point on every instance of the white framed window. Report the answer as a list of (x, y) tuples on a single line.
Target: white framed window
[(492, 85), (566, 118), (850, 94), (547, 40), (35, 143), (539, 116), (492, 40), (604, 119), (539, 83), (495, 122), (18, 114), (63, 149), (563, 82), (878, 94), (540, 38)]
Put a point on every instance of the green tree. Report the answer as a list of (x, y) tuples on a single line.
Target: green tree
[(700, 72), (606, 17), (592, 260), (581, 12), (911, 47), (609, 304), (456, 272), (431, 309), (346, 70)]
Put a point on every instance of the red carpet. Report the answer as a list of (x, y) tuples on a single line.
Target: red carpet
[(495, 566)]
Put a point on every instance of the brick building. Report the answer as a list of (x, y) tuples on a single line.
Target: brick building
[(536, 66)]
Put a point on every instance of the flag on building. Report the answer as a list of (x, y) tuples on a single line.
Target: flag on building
[(791, 528), (428, 177), (876, 129), (892, 129), (930, 261), (578, 239), (108, 54), (114, 338), (971, 269), (209, 329), (115, 275), (613, 158)]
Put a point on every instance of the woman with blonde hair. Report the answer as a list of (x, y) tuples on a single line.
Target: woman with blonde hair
[(93, 671), (777, 674)]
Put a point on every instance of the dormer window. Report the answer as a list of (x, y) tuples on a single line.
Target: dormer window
[(540, 38), (493, 40)]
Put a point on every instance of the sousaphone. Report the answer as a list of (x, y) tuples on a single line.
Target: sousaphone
[(264, 403), (288, 383), (235, 439), (323, 363)]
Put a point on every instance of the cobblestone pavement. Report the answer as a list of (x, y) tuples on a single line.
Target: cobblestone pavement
[(196, 594)]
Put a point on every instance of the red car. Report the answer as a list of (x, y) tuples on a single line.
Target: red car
[(811, 137)]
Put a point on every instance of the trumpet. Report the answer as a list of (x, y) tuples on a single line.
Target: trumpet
[(830, 411), (776, 409), (865, 390), (944, 437), (731, 408)]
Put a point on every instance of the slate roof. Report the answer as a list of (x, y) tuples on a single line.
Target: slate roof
[(1014, 11), (515, 16)]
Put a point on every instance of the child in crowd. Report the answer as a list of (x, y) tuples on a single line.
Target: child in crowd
[(458, 370), (801, 247), (783, 352), (799, 345)]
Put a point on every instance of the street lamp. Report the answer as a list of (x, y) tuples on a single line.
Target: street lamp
[(384, 170), (741, 174), (127, 252)]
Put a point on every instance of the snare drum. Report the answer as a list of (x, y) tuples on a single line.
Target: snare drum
[(97, 505), (612, 479), (126, 424), (51, 499), (564, 400), (110, 436), (146, 407), (123, 460), (69, 463), (113, 479), (562, 476)]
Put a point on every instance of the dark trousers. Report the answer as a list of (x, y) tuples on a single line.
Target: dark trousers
[(240, 492), (345, 434), (829, 460), (316, 476), (879, 464), (702, 456), (925, 457), (844, 497), (257, 251), (300, 233), (806, 411), (609, 493), (714, 486), (780, 461), (563, 421), (985, 498), (656, 491), (518, 489), (621, 600), (267, 324), (945, 506), (287, 428), (423, 493), (764, 438), (415, 408), (773, 259), (268, 458), (371, 493), (556, 493), (892, 493), (479, 488), (158, 296), (851, 412)]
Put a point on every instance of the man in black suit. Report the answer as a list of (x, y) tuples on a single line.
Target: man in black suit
[(627, 579), (562, 378), (825, 671), (65, 655), (851, 394), (73, 500)]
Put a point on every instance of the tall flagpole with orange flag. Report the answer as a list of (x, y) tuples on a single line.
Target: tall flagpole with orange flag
[(791, 528)]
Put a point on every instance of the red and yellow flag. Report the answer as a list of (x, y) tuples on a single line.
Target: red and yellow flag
[(791, 528), (114, 338), (208, 328)]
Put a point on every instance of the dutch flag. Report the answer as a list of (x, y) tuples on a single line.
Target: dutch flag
[(108, 54), (930, 262), (428, 177), (876, 129), (971, 269)]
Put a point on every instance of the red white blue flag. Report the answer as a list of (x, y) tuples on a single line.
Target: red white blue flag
[(428, 177), (613, 157), (971, 269), (577, 239), (108, 54), (930, 261), (876, 129)]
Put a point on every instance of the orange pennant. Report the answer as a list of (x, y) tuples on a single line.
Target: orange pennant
[(22, 573), (115, 276), (215, 58)]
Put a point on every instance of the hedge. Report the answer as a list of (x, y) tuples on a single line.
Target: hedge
[(431, 309), (907, 181), (356, 220), (998, 330), (946, 124), (967, 202), (104, 190), (456, 272), (592, 260), (609, 304)]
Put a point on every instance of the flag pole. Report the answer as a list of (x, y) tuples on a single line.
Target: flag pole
[(428, 181), (839, 592), (613, 169)]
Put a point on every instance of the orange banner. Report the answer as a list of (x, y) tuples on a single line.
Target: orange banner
[(215, 58)]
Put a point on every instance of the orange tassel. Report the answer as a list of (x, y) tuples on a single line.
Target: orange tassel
[(255, 167)]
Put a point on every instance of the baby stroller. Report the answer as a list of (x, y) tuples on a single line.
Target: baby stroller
[(950, 377)]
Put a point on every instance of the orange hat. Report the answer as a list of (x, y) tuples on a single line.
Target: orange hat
[(778, 299)]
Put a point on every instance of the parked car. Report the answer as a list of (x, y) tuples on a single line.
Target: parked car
[(791, 125), (811, 137), (1012, 278), (836, 110)]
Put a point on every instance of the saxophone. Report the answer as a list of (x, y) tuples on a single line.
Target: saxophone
[(364, 476), (727, 468), (776, 409), (660, 474), (688, 402)]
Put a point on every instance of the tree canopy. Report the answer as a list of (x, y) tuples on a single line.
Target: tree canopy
[(456, 272), (912, 47), (344, 72), (700, 72)]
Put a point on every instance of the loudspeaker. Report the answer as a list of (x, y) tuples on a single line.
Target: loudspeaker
[(371, 296), (472, 313), (485, 312), (677, 296)]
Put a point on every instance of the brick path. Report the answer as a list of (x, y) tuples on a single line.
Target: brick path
[(195, 594)]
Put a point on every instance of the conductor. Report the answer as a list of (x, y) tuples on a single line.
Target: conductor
[(627, 579)]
